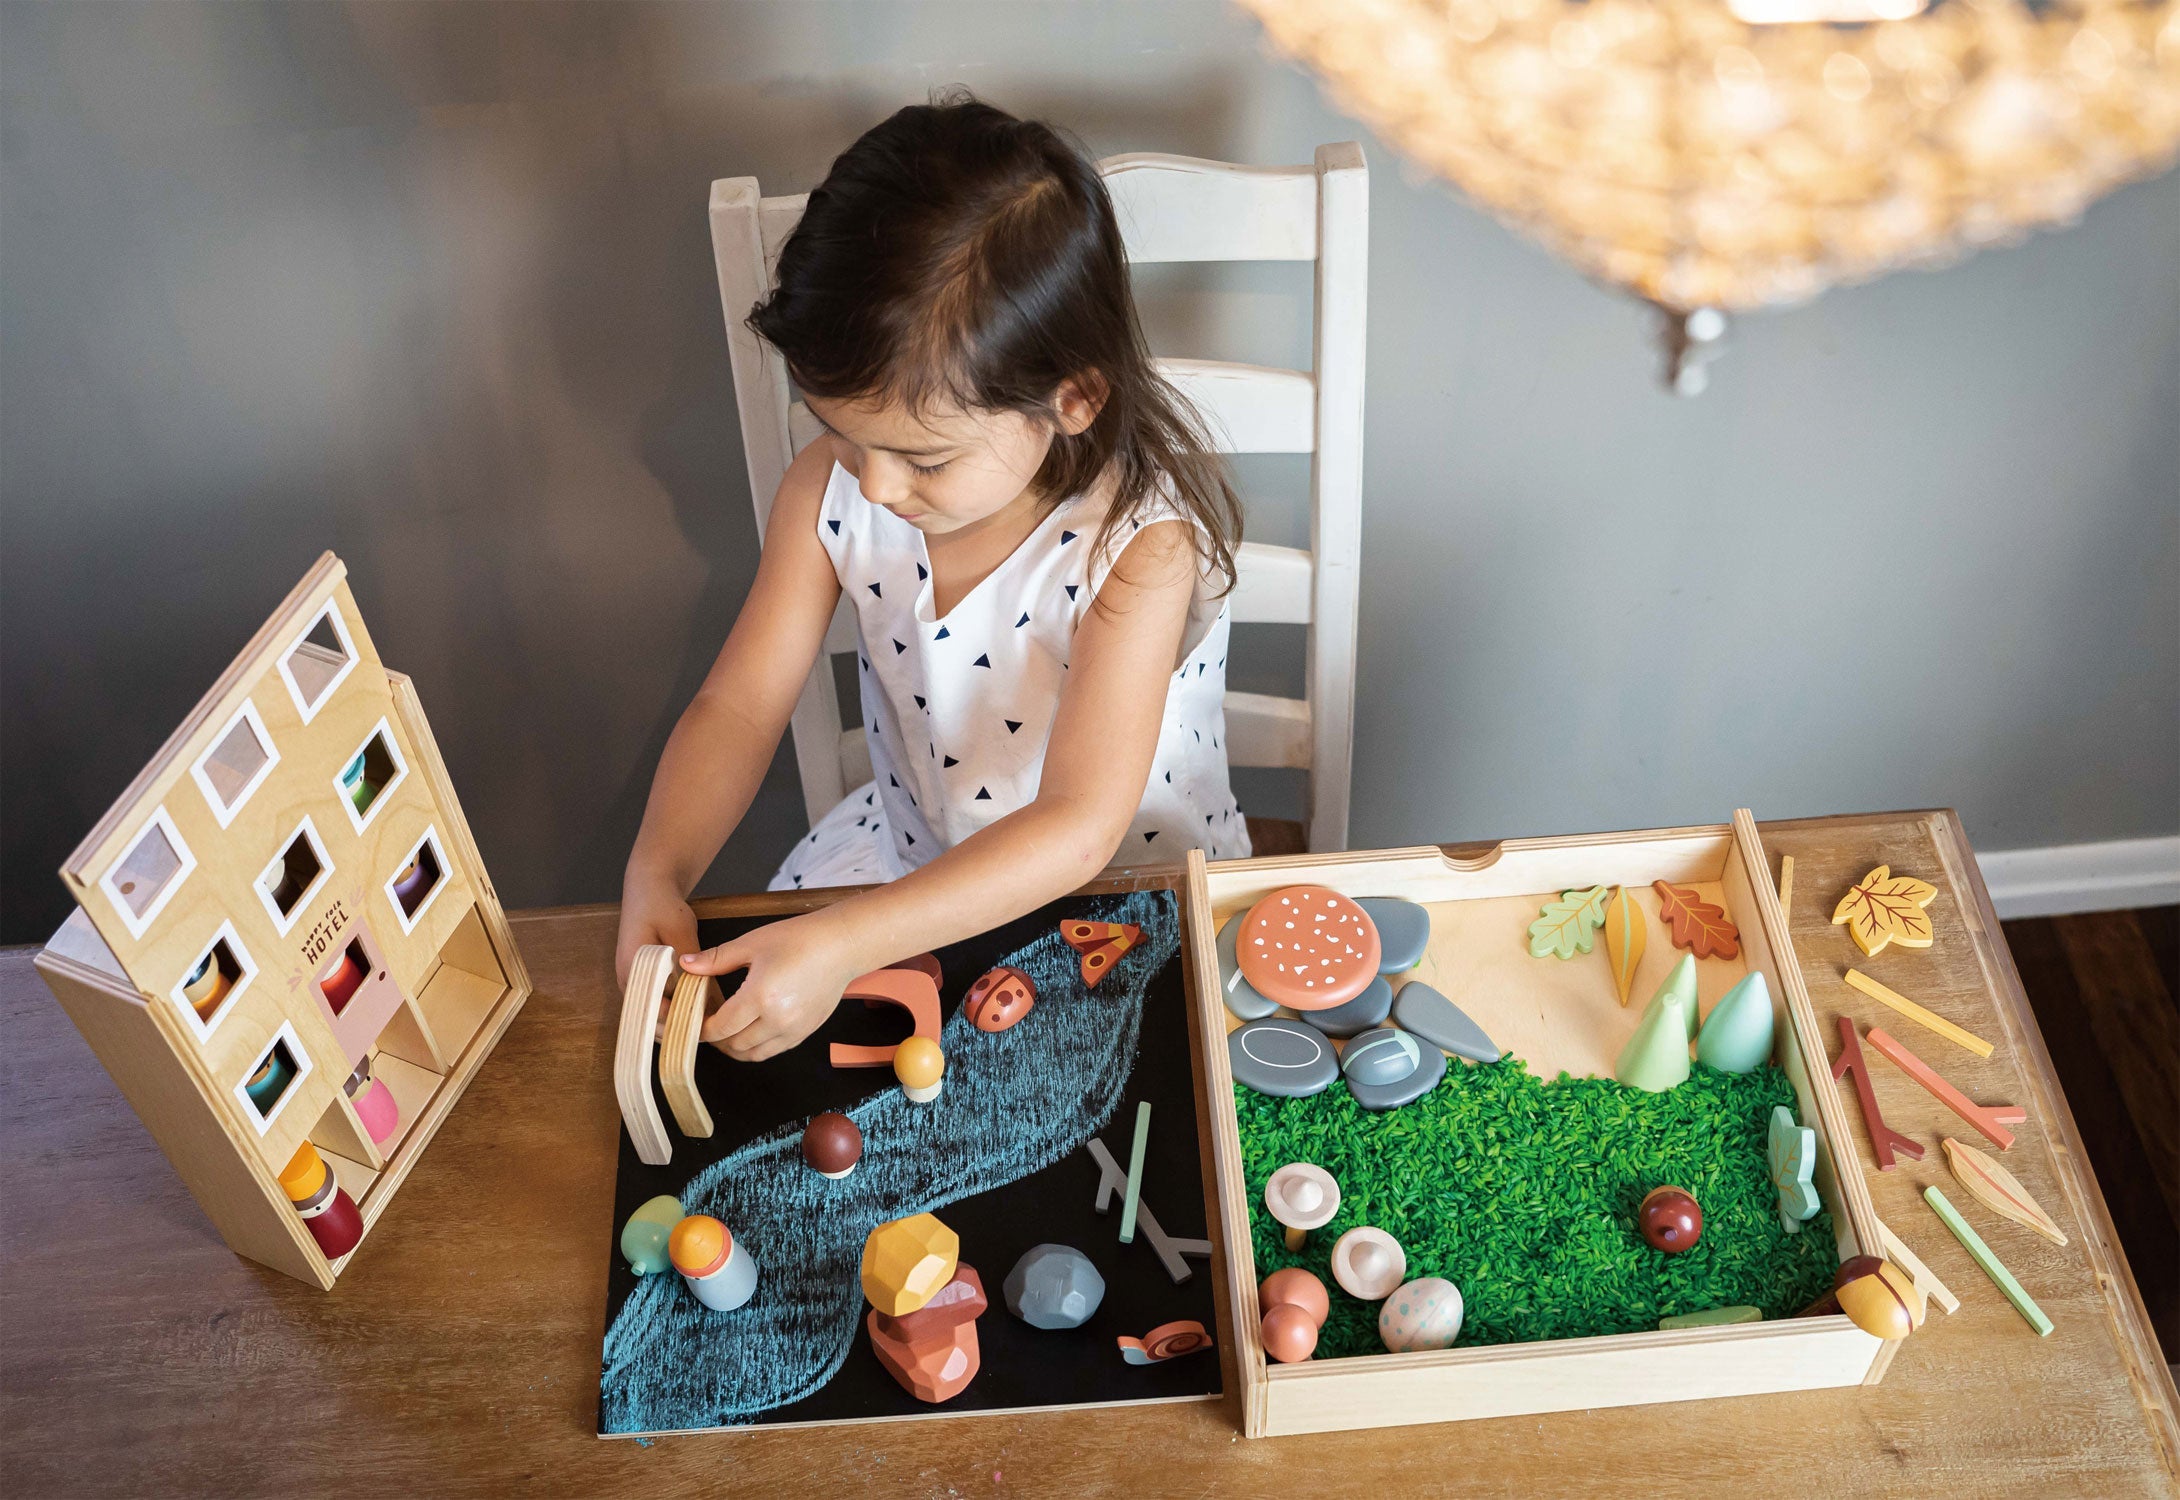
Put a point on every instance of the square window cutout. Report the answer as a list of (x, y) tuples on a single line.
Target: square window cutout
[(315, 664), (295, 873), (209, 990), (147, 876), (237, 764), (274, 1078), (418, 881), (370, 774)]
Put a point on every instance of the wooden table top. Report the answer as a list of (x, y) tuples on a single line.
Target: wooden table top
[(461, 1351)]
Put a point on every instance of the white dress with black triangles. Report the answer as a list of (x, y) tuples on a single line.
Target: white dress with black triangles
[(957, 709)]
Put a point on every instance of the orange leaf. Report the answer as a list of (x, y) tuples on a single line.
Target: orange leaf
[(1697, 925)]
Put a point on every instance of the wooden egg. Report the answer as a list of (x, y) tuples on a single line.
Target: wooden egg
[(1879, 1298), (1290, 1333), (999, 999), (1671, 1219), (1298, 1288), (1423, 1314)]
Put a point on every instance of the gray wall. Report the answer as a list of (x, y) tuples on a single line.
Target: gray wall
[(430, 285)]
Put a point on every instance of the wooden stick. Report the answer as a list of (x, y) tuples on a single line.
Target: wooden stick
[(647, 977), (1899, 1254), (677, 1053), (1111, 1179), (1884, 1140), (1992, 1266), (1917, 1014), (1136, 1154), (1984, 1120), (1786, 886)]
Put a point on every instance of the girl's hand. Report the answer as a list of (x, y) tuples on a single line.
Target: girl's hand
[(653, 910), (798, 969)]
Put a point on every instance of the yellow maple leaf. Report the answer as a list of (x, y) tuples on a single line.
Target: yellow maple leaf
[(1885, 908)]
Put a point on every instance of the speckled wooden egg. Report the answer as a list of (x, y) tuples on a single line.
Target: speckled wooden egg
[(1421, 1314), (1671, 1219), (999, 999)]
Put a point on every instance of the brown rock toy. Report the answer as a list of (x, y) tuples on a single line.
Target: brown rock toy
[(933, 1351), (1308, 948)]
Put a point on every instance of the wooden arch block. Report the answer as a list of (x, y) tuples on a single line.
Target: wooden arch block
[(677, 1052), (647, 977), (912, 990)]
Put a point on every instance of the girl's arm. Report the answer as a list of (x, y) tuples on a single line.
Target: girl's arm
[(718, 752), (1104, 736)]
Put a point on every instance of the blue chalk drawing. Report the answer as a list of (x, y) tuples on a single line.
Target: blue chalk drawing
[(1015, 1103)]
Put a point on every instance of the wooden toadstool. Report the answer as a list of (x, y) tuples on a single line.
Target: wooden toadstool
[(832, 1144), (1368, 1263), (1302, 1197), (921, 1067)]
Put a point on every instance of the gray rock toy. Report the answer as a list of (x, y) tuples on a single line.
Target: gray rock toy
[(1054, 1286)]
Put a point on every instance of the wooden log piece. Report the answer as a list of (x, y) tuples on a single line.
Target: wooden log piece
[(647, 977)]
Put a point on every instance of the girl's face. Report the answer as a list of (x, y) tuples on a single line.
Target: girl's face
[(948, 470)]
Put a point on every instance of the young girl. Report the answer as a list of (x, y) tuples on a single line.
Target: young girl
[(1036, 538)]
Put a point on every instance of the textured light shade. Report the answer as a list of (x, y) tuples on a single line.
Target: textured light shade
[(1701, 160)]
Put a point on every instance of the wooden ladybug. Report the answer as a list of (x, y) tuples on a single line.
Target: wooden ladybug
[(999, 999)]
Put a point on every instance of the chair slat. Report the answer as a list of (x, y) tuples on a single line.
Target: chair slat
[(1249, 408), (1177, 208), (1267, 731), (854, 759), (1272, 585)]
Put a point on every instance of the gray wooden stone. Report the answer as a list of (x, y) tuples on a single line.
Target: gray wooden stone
[(1240, 996), (1054, 1286), (1366, 1010), (1433, 1017), (1281, 1057), (1380, 1055), (1404, 931), (1384, 1055)]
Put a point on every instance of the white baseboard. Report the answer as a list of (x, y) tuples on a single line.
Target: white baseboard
[(2065, 878)]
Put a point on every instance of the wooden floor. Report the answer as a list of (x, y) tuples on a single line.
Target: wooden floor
[(2106, 990)]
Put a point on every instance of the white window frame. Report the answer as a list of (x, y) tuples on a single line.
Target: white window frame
[(220, 810), (139, 925), (409, 920), (305, 829), (331, 612), (204, 1026), (303, 1065), (382, 731)]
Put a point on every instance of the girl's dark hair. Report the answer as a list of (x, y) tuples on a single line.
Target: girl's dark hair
[(955, 254)]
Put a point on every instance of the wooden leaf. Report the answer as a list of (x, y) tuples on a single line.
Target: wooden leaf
[(1998, 1190), (1884, 908), (1569, 925), (1627, 933), (1697, 925)]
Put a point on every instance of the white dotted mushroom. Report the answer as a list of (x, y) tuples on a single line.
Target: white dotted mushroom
[(1302, 1197), (1368, 1263)]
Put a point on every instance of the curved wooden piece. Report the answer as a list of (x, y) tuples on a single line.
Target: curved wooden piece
[(912, 990), (677, 1053), (647, 978)]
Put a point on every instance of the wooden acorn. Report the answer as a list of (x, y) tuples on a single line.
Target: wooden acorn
[(1671, 1219), (1877, 1296)]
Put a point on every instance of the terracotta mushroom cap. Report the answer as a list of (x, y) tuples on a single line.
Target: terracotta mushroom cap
[(1302, 1196)]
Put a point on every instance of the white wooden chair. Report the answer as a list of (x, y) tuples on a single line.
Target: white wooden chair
[(1171, 208)]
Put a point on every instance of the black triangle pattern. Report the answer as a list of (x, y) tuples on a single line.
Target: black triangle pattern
[(1014, 724), (949, 763), (981, 661), (943, 634), (983, 794), (1018, 624), (836, 527), (899, 646), (875, 591)]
